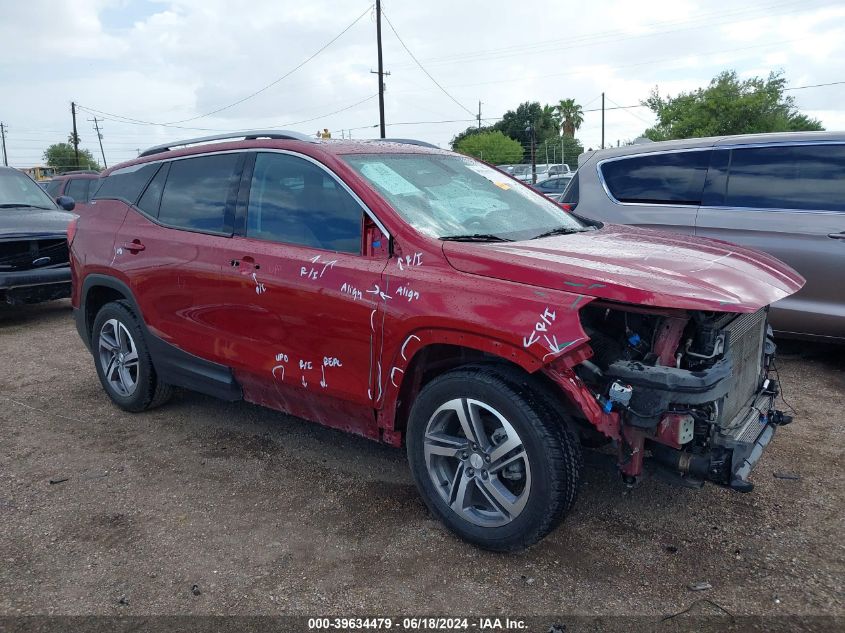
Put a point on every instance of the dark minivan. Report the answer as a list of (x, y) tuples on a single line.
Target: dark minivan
[(780, 193)]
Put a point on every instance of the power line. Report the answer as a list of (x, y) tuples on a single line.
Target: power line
[(651, 62), (422, 68), (831, 83), (246, 98), (617, 35), (274, 125), (287, 74)]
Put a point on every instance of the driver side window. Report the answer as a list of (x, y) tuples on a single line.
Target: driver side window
[(293, 201)]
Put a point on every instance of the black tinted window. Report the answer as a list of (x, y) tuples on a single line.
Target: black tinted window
[(570, 194), (196, 192), (294, 201), (53, 187), (127, 183), (77, 188), (151, 199), (671, 178), (803, 177)]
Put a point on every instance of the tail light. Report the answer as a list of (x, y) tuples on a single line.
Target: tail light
[(71, 230)]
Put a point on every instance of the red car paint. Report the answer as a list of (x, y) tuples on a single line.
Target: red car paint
[(333, 337)]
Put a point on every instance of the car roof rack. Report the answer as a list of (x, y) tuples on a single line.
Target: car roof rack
[(408, 141), (79, 171), (250, 135)]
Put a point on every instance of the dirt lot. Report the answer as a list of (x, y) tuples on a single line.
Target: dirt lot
[(267, 514)]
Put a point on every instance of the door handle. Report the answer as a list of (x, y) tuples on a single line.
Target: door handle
[(134, 246), (837, 236)]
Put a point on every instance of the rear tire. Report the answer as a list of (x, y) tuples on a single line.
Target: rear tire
[(491, 457), (123, 361)]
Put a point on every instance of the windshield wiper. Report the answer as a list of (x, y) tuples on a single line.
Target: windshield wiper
[(20, 205), (475, 237), (561, 230)]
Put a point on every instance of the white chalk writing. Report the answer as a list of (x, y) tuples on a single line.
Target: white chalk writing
[(352, 291), (409, 294)]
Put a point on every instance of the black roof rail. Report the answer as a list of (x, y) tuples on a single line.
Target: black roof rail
[(408, 141), (247, 136), (79, 171)]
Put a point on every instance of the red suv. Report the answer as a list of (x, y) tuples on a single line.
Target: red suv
[(79, 185), (413, 295)]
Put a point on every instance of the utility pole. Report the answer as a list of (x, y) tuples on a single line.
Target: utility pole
[(602, 120), (533, 153), (479, 114), (380, 71), (3, 136), (75, 136), (100, 138)]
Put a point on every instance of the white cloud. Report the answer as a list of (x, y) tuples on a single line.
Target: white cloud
[(171, 60)]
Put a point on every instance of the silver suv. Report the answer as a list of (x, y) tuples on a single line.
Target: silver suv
[(780, 193)]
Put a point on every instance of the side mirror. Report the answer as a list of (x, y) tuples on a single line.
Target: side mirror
[(66, 202)]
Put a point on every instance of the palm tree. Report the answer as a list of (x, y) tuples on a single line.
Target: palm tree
[(571, 114)]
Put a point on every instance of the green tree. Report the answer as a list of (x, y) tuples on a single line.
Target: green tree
[(569, 115), (728, 106), (61, 157), (470, 131), (493, 147), (518, 123)]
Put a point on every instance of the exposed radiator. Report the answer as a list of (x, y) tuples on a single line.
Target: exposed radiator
[(744, 338)]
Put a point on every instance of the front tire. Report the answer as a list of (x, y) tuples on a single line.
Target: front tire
[(491, 457), (123, 360)]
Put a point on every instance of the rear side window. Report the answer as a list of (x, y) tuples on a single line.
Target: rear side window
[(126, 184), (196, 193), (151, 199), (670, 178), (570, 194), (291, 200), (77, 188), (53, 187), (809, 177)]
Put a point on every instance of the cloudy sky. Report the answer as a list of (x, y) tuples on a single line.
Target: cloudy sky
[(136, 62)]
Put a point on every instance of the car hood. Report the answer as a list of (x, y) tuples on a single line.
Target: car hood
[(28, 223), (639, 266)]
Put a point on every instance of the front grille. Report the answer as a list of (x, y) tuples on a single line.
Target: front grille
[(744, 337), (23, 254)]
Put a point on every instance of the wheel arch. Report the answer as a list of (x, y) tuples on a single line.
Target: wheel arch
[(97, 291), (427, 353)]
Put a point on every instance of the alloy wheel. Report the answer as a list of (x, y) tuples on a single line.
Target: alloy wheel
[(118, 357), (477, 462)]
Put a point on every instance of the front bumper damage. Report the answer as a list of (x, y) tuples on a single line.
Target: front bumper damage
[(689, 390), (661, 418), (35, 286)]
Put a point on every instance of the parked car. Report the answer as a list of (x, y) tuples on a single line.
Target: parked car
[(553, 186), (416, 296), (779, 193), (522, 173), (559, 170), (547, 170), (33, 241), (79, 185)]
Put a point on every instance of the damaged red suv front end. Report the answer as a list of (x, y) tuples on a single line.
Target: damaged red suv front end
[(677, 352)]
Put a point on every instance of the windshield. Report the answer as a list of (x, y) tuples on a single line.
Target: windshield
[(19, 190), (449, 196)]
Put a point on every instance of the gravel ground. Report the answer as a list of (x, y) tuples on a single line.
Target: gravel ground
[(204, 507)]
